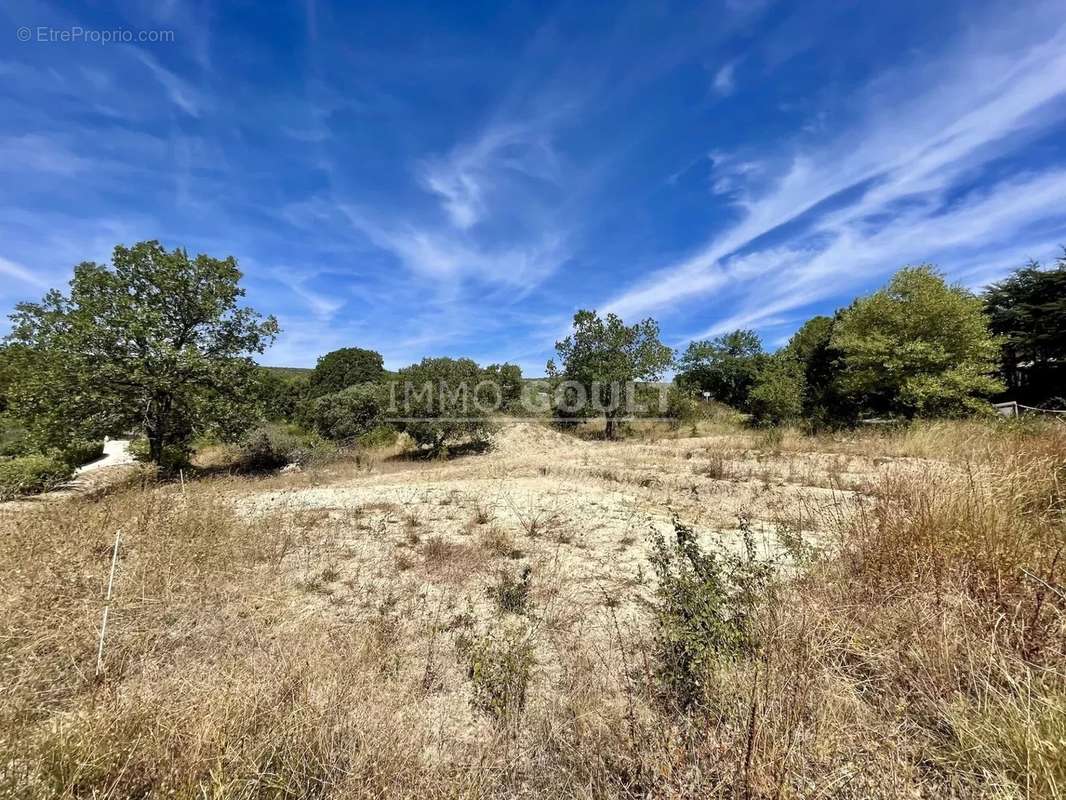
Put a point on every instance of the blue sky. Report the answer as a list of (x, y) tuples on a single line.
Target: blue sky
[(458, 178)]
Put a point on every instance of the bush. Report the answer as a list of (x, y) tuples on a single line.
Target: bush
[(681, 407), (499, 667), (173, 457), (777, 395), (379, 436), (349, 413), (31, 474), (437, 398), (270, 448), (280, 395), (82, 451), (14, 441), (344, 368), (507, 380), (512, 594), (703, 612)]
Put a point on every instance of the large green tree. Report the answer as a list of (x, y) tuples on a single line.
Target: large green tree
[(777, 395), (824, 403), (346, 367), (604, 356), (1028, 310), (726, 366), (506, 385), (436, 402), (156, 342), (917, 347), (7, 363)]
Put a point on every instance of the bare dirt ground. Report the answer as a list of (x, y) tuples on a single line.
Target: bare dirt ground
[(353, 628), (541, 487), (428, 541)]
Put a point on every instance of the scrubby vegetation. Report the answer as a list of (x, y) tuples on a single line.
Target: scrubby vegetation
[(754, 596), (919, 652), (31, 474)]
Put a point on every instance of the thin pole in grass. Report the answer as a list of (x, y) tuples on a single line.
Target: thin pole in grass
[(107, 606), (181, 475)]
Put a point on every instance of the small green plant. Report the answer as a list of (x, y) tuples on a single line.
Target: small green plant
[(499, 665), (510, 593), (703, 611)]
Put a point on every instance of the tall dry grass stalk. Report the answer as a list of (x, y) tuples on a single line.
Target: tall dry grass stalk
[(925, 657)]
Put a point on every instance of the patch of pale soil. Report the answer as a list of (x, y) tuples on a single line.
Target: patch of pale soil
[(520, 439), (420, 548), (579, 512)]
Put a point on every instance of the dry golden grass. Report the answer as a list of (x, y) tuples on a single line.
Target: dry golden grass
[(286, 654)]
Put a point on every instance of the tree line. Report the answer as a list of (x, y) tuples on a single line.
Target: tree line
[(159, 342), (918, 347)]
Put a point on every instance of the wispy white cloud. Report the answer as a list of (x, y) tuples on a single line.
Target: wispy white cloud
[(20, 273), (40, 153), (725, 79), (447, 258), (323, 307), (492, 162), (180, 93), (971, 232), (925, 129)]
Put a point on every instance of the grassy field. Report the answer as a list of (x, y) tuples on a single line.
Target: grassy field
[(492, 626)]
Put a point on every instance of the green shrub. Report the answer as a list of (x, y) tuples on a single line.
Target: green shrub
[(348, 414), (344, 368), (139, 448), (681, 407), (31, 474), (14, 442), (270, 448), (778, 393), (507, 381), (173, 457), (499, 665), (704, 609), (82, 451), (379, 436), (437, 399)]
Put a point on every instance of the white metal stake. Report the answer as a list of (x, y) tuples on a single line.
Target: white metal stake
[(107, 605), (181, 474)]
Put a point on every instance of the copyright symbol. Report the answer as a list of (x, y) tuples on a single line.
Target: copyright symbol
[(24, 34)]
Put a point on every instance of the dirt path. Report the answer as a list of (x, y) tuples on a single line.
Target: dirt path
[(116, 453)]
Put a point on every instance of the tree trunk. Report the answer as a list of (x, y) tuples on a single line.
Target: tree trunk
[(155, 448), (156, 429), (611, 431)]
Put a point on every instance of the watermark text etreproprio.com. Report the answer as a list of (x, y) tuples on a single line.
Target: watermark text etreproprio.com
[(76, 34)]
